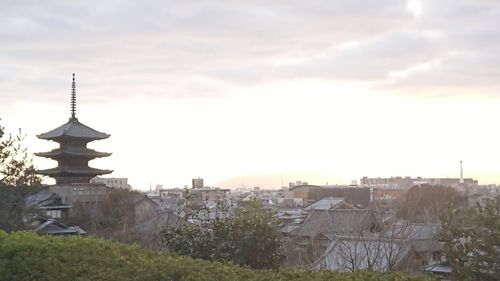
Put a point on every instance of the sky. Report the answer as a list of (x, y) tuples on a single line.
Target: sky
[(260, 93)]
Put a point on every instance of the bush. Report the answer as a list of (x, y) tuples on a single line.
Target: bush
[(27, 256)]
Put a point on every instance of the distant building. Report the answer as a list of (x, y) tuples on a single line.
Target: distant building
[(310, 193), (120, 183), (483, 195), (197, 183), (408, 182), (357, 196), (292, 184), (197, 197)]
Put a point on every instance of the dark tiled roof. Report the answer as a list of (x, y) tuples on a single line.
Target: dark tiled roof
[(74, 129), (43, 197), (74, 151), (87, 171), (53, 227), (335, 222)]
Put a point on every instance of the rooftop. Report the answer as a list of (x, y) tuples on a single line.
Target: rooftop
[(73, 129)]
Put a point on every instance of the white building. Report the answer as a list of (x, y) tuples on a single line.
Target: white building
[(121, 183)]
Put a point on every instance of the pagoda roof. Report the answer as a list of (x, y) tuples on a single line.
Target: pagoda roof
[(73, 129), (84, 171), (83, 152)]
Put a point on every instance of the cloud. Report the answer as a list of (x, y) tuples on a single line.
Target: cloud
[(371, 59), (164, 48)]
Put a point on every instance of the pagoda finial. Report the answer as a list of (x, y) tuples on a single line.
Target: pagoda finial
[(73, 98)]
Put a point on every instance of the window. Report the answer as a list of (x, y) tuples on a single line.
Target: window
[(436, 256), (56, 214)]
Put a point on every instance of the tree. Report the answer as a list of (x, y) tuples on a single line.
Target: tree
[(472, 242), (426, 203), (17, 181), (16, 167), (250, 237), (13, 208)]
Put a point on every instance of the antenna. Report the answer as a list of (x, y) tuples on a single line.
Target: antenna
[(73, 98)]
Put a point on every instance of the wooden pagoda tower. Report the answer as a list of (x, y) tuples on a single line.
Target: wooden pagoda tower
[(73, 155)]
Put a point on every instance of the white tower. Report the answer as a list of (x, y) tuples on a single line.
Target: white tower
[(461, 172)]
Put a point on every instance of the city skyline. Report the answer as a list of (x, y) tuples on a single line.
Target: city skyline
[(283, 91)]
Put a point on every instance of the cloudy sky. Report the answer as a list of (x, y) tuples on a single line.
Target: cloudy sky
[(259, 93)]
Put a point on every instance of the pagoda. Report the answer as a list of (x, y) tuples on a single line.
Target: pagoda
[(73, 155)]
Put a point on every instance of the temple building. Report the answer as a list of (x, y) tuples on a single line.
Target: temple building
[(73, 173), (73, 155)]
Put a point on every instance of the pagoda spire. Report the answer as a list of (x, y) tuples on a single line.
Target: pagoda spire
[(73, 98)]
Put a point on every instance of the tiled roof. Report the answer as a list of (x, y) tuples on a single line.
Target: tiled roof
[(73, 128), (53, 227), (343, 250), (74, 151), (87, 171), (335, 222), (327, 203)]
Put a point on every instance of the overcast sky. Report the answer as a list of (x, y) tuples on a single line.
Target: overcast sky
[(259, 93)]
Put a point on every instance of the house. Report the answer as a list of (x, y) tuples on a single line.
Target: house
[(149, 219), (309, 241), (354, 253), (46, 214), (49, 203), (400, 246)]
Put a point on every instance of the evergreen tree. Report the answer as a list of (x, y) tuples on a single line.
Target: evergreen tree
[(472, 242), (17, 181), (16, 167)]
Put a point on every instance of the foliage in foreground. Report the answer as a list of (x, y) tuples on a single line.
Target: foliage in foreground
[(27, 256), (250, 238)]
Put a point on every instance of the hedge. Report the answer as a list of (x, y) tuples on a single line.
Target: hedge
[(28, 256)]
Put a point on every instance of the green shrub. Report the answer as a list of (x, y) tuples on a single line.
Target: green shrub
[(27, 256)]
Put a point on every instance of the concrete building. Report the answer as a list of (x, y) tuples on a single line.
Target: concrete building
[(408, 182), (197, 183), (197, 197), (121, 183)]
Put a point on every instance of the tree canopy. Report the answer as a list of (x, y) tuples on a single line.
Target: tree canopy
[(472, 242), (250, 237), (426, 203)]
